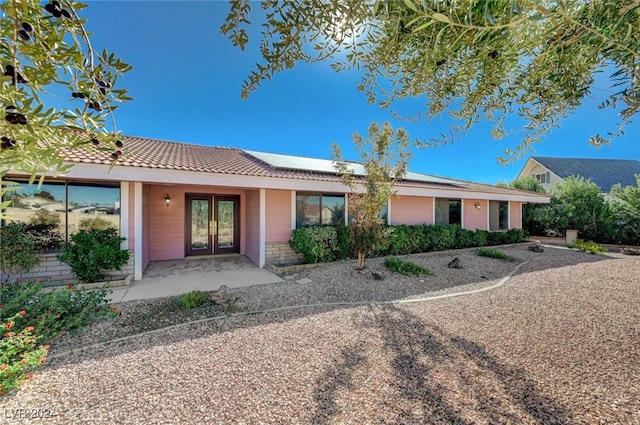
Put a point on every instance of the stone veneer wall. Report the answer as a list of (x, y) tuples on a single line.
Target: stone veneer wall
[(281, 253), (53, 272)]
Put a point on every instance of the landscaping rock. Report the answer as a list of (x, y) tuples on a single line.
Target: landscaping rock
[(377, 275), (304, 280), (223, 296), (536, 247), (630, 251), (455, 263)]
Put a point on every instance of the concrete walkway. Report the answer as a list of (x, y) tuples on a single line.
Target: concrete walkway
[(176, 277)]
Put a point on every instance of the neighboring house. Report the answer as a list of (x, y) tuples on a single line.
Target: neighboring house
[(605, 173), (178, 200)]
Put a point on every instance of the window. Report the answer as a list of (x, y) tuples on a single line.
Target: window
[(498, 215), (66, 207), (448, 211), (383, 215), (543, 178), (317, 209)]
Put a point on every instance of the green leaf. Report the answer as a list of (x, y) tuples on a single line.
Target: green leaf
[(441, 18), (409, 4)]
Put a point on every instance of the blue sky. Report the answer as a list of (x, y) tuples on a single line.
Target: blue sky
[(186, 87)]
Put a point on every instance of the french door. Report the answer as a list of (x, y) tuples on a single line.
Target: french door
[(212, 224)]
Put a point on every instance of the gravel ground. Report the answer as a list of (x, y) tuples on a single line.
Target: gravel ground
[(559, 343)]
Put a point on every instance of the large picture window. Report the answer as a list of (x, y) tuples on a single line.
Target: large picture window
[(319, 209), (448, 211), (498, 215), (66, 207)]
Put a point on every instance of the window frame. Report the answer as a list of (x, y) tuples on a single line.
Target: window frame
[(320, 195), (67, 184)]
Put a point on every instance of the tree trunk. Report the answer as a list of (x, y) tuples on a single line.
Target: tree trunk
[(360, 260)]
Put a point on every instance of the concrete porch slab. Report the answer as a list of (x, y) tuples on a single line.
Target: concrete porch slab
[(158, 287)]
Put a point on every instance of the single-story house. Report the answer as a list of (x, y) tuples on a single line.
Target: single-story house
[(174, 200), (605, 173)]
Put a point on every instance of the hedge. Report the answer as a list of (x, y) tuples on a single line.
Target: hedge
[(329, 243)]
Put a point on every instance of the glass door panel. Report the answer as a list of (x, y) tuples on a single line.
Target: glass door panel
[(198, 231), (226, 224), (199, 225)]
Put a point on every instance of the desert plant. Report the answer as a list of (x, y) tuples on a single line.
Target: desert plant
[(92, 252), (492, 253), (587, 246), (17, 252), (191, 300), (404, 267), (45, 217), (94, 223), (316, 244)]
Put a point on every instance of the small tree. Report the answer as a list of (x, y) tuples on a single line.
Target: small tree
[(384, 157)]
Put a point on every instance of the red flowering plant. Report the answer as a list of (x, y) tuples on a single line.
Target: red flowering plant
[(66, 309), (19, 351)]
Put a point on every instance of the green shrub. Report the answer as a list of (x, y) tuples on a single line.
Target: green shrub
[(587, 246), (404, 267), (62, 310), (92, 252), (17, 252), (491, 253), (19, 353), (317, 244), (343, 249), (191, 300), (43, 317), (45, 236)]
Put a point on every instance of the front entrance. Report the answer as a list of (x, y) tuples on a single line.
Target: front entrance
[(212, 224)]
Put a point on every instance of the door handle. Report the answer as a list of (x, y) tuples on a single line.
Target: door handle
[(214, 227)]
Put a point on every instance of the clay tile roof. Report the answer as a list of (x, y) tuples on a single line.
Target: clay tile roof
[(160, 154)]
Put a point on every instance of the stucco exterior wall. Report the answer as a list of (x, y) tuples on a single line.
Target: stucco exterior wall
[(252, 225), (278, 215), (167, 223), (475, 218), (515, 215), (411, 210)]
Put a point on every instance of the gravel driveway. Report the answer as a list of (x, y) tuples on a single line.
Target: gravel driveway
[(558, 343)]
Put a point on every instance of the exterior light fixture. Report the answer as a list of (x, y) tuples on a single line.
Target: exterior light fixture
[(477, 205), (167, 200)]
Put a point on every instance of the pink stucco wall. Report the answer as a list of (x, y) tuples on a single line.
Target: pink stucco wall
[(411, 210), (474, 218), (167, 223), (252, 249), (515, 215), (278, 205)]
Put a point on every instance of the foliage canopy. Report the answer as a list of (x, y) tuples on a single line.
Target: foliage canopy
[(45, 55), (473, 60)]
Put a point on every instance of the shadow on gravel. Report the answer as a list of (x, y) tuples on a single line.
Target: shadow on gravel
[(338, 378), (330, 292), (423, 353)]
